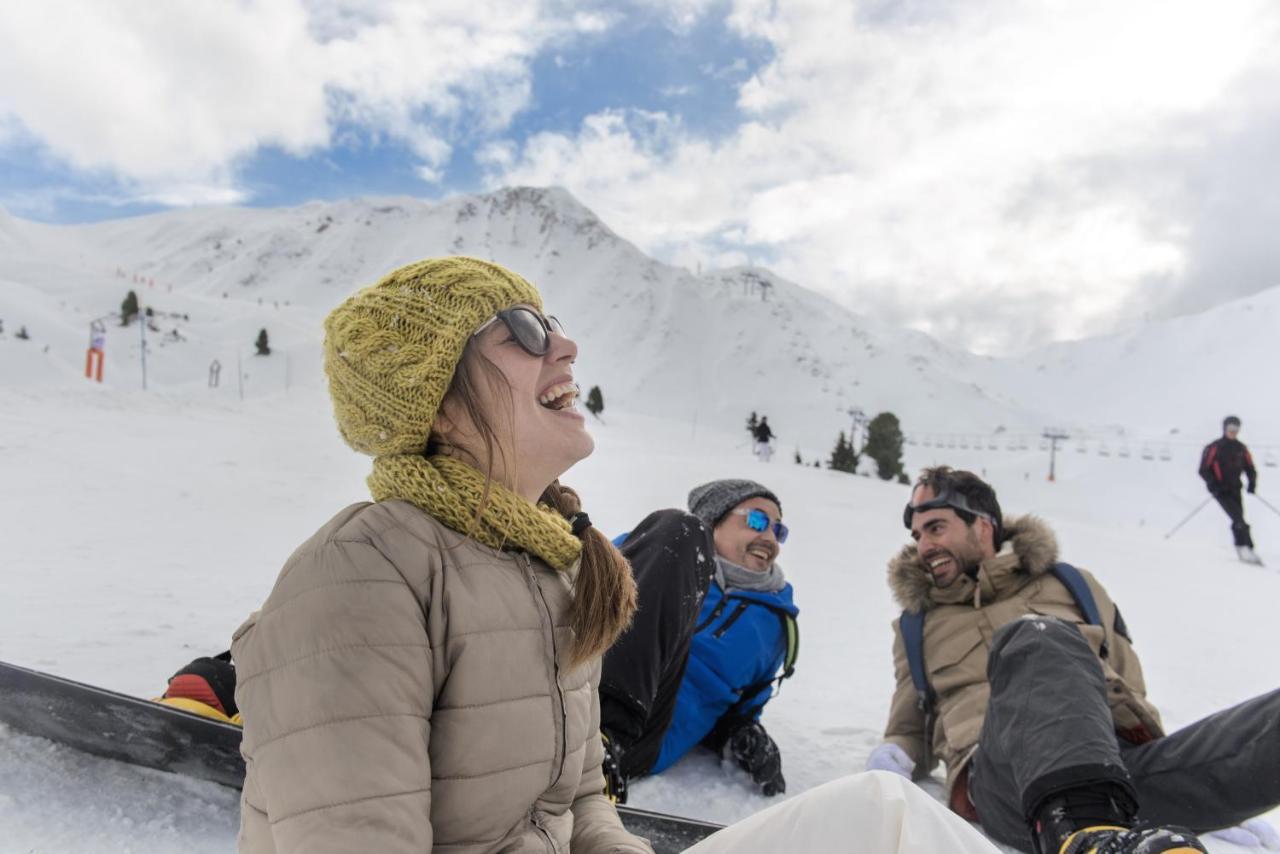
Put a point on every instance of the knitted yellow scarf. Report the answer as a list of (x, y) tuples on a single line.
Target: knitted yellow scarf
[(450, 491)]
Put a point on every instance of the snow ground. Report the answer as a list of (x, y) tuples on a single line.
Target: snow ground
[(140, 528)]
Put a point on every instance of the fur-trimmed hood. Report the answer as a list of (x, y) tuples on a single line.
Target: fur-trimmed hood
[(1028, 549)]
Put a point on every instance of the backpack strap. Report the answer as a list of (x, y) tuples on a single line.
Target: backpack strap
[(1073, 580), (791, 629), (911, 624), (791, 632)]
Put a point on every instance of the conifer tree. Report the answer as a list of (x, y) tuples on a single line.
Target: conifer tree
[(128, 309), (595, 401), (884, 445), (843, 457), (264, 349), (752, 422), (799, 459)]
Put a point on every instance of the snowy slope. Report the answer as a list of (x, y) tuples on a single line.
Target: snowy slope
[(1144, 379), (703, 349), (141, 528)]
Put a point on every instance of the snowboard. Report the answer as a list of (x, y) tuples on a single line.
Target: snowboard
[(142, 732)]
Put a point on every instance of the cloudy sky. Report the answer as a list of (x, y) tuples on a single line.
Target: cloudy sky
[(997, 173)]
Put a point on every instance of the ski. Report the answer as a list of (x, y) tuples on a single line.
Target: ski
[(142, 732)]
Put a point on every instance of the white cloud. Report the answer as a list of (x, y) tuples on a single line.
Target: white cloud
[(170, 95), (927, 164)]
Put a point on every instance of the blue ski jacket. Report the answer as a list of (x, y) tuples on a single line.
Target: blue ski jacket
[(740, 642)]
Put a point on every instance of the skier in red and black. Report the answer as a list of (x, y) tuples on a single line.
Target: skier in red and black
[(1221, 465)]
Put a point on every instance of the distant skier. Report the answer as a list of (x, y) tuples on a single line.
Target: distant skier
[(1221, 464), (1033, 695), (763, 435)]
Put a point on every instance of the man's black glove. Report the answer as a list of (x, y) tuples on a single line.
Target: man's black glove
[(615, 782), (756, 752), (1253, 488)]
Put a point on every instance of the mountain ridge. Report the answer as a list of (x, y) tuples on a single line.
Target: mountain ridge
[(711, 346)]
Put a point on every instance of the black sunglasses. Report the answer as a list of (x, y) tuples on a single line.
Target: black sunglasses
[(530, 328)]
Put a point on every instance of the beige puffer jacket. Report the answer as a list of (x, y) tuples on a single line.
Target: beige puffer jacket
[(958, 629), (405, 689)]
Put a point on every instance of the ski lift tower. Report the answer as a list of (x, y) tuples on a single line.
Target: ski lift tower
[(1053, 437), (859, 420)]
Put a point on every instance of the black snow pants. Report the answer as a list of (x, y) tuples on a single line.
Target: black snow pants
[(1233, 504), (1048, 728), (672, 555)]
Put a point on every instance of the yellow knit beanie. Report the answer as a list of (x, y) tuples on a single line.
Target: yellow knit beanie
[(391, 349)]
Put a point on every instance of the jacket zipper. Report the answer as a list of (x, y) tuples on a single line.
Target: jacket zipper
[(546, 834), (733, 618), (555, 663)]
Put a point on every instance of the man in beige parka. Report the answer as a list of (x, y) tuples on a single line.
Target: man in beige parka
[(1040, 717)]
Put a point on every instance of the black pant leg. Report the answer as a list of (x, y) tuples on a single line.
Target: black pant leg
[(1048, 726), (1233, 504), (672, 556), (1214, 773)]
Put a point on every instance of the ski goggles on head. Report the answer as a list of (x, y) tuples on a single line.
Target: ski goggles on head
[(530, 328), (758, 520), (954, 500)]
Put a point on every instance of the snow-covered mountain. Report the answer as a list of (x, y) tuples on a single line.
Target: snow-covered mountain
[(1146, 379), (704, 349)]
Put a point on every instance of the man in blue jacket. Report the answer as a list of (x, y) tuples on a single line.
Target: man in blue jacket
[(715, 624)]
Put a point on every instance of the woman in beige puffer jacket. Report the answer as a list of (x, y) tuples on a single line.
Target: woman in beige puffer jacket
[(423, 675)]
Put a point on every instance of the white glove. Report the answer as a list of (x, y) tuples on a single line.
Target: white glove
[(891, 757), (1256, 833)]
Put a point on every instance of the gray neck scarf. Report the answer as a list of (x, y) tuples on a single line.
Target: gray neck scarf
[(730, 576)]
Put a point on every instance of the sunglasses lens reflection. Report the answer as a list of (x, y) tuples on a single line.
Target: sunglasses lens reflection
[(758, 520), (528, 330)]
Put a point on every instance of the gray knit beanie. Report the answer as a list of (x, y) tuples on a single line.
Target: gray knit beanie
[(711, 501)]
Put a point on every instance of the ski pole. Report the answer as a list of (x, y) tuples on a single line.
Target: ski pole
[(1265, 503), (1189, 517)]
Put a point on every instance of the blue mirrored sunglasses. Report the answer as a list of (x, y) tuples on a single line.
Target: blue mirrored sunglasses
[(758, 520)]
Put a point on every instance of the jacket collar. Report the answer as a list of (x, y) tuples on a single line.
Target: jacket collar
[(1029, 549)]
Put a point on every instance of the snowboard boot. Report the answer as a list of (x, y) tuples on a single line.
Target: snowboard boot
[(1101, 819), (206, 686), (1132, 840), (1248, 555)]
